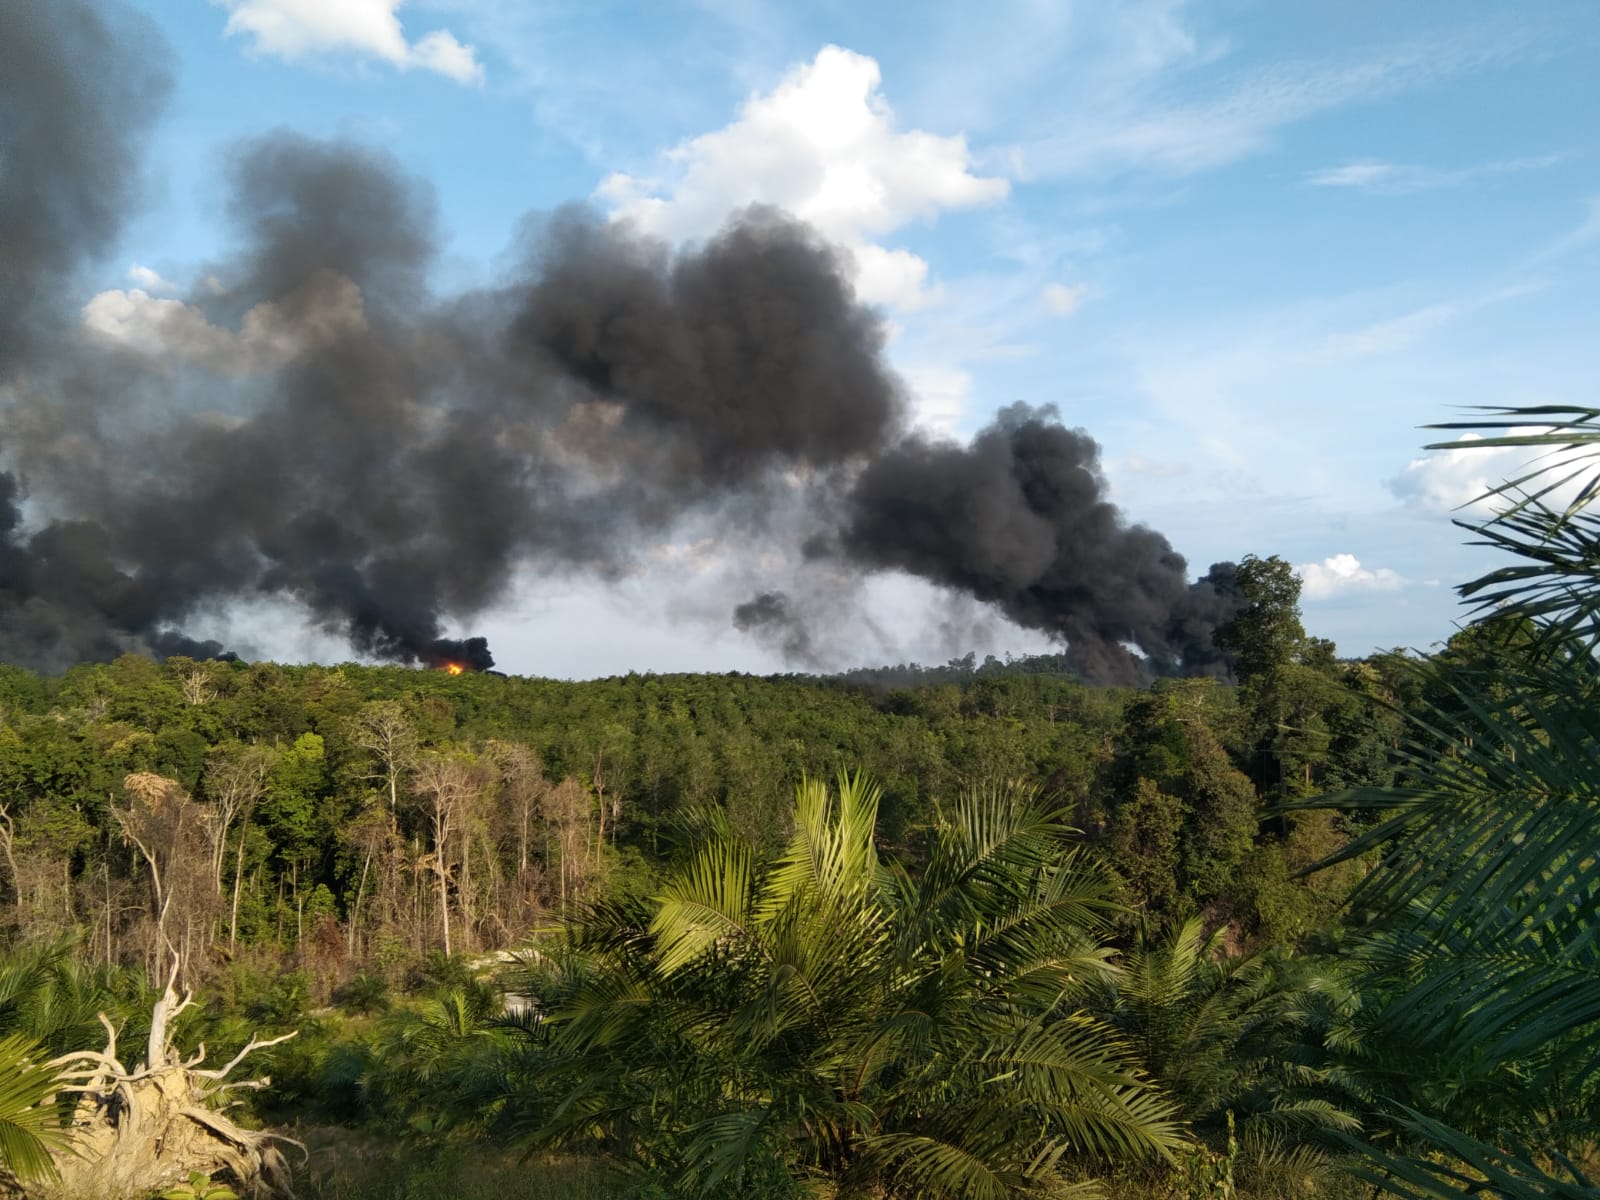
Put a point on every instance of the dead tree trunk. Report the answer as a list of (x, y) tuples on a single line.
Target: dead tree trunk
[(138, 1132)]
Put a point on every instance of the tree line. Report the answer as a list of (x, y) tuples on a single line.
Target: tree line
[(1335, 921), (354, 816)]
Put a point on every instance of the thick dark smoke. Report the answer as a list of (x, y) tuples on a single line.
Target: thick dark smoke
[(771, 615), (79, 85), (314, 423), (1020, 519)]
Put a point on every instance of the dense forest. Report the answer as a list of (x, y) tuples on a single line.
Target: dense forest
[(418, 810), (975, 930)]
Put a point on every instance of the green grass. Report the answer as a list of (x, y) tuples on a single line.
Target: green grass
[(350, 1166)]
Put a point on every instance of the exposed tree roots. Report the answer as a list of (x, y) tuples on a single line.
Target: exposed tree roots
[(137, 1132)]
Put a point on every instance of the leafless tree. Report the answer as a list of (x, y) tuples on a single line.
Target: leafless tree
[(236, 779), (447, 787), (167, 828)]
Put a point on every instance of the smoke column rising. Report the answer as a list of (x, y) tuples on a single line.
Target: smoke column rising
[(317, 424)]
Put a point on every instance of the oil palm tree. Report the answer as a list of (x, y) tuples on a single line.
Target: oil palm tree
[(1220, 1033), (1481, 954), (829, 1015)]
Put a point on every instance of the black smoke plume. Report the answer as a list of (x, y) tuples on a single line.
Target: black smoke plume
[(1020, 519), (771, 615), (80, 84), (315, 423)]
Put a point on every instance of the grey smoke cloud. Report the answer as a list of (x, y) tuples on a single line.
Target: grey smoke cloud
[(80, 84), (389, 457), (1019, 518)]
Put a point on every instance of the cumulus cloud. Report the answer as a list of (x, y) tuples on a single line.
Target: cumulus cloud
[(1340, 574), (1061, 299), (294, 29), (327, 307), (823, 145), (1445, 481)]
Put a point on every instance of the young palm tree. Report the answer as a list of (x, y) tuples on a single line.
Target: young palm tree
[(1219, 1034), (436, 1066), (828, 1015)]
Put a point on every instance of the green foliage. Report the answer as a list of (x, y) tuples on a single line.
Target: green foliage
[(1481, 958), (1458, 1165), (200, 1187), (49, 995), (1552, 585), (30, 1124), (1208, 1174), (1220, 1035), (1266, 633), (1183, 818), (284, 1002), (1477, 1033), (831, 1015), (365, 994)]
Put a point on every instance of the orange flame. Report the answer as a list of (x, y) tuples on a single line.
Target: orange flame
[(454, 668)]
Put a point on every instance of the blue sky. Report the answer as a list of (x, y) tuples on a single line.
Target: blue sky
[(1249, 246)]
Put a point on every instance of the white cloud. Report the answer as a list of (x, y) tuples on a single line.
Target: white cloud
[(824, 146), (1343, 573), (150, 280), (327, 307), (441, 53), (1062, 300), (294, 29), (1445, 481), (1387, 178)]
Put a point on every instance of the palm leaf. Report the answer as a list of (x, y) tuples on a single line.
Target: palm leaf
[(708, 902), (935, 1168), (1555, 582), (823, 1012), (30, 1123), (1464, 1166)]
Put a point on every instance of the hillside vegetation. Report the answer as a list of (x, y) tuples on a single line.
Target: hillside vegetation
[(974, 931)]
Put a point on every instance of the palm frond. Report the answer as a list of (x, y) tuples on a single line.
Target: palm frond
[(30, 1122), (935, 1168), (824, 1013), (1555, 583), (709, 901), (1463, 1166), (1487, 876)]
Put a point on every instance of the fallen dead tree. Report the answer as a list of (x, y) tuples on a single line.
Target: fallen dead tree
[(137, 1132)]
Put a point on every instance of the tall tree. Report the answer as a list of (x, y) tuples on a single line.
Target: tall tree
[(447, 788), (236, 779), (1266, 632)]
